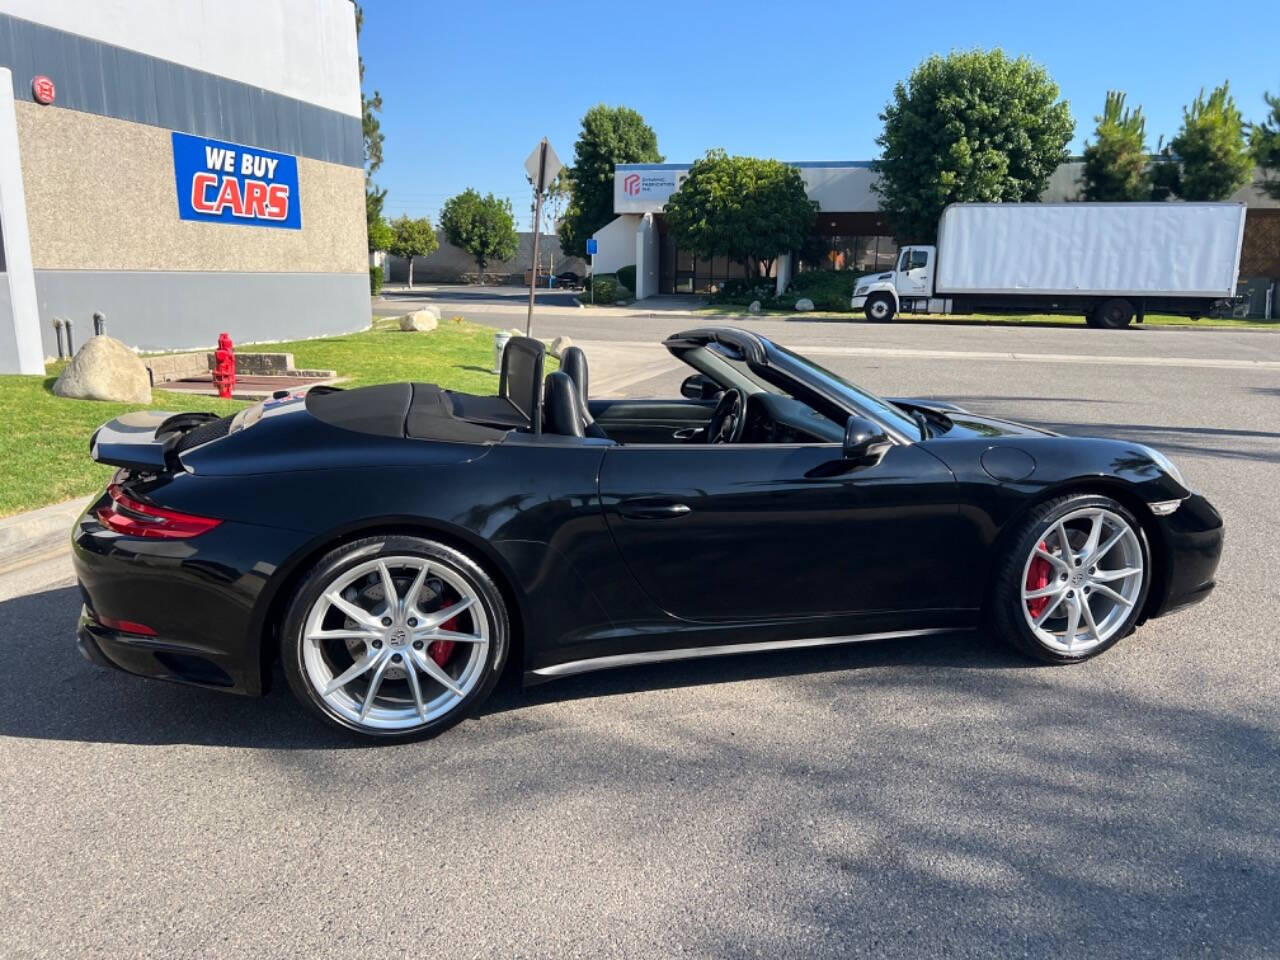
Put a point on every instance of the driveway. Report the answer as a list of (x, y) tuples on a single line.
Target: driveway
[(930, 797)]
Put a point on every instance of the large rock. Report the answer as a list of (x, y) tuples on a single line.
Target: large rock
[(105, 369), (804, 304), (559, 345), (428, 318), (753, 307)]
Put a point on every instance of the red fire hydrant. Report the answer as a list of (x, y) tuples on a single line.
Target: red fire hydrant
[(224, 366)]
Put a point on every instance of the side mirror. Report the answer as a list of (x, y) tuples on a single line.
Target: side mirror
[(865, 440), (698, 387)]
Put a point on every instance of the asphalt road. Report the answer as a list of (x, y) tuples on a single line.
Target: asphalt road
[(932, 797)]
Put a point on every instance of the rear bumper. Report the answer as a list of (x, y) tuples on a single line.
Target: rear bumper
[(203, 598), (154, 658), (1193, 537)]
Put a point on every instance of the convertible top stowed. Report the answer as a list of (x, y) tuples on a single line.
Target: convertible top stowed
[(419, 411)]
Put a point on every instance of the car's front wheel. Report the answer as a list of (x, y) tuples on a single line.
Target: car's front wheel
[(1073, 579), (395, 637)]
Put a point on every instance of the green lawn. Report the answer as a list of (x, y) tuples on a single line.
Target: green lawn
[(996, 319), (44, 445)]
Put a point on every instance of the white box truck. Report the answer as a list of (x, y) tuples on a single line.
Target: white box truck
[(1107, 261)]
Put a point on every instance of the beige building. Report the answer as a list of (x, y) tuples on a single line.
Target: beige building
[(184, 169)]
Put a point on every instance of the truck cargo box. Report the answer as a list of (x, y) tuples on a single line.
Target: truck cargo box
[(1116, 249)]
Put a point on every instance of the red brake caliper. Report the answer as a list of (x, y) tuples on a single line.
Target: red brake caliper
[(1038, 575), (439, 650)]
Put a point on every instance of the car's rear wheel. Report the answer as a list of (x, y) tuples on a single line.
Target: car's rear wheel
[(879, 308), (395, 637), (1073, 580)]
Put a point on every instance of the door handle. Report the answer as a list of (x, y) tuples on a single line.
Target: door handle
[(687, 433), (651, 508)]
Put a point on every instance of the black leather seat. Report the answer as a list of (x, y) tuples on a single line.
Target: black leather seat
[(574, 362), (562, 407)]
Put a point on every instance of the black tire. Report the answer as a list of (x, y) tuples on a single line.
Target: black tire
[(1006, 603), (879, 308), (1113, 314), (332, 565)]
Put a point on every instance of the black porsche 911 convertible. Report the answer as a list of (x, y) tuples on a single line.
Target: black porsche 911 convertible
[(394, 546)]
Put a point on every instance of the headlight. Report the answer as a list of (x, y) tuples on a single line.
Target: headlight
[(1168, 466), (860, 292)]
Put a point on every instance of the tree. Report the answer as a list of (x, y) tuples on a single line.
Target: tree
[(747, 209), (610, 135), (412, 238), (1264, 143), (554, 197), (376, 228), (1115, 164), (1211, 148), (483, 226), (971, 126)]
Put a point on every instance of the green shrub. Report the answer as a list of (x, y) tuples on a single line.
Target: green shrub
[(742, 292), (828, 289), (375, 280), (605, 286), (627, 276)]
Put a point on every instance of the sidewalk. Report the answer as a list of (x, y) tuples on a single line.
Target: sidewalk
[(35, 547)]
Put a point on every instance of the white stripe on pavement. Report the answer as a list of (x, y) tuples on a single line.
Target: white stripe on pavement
[(1217, 363)]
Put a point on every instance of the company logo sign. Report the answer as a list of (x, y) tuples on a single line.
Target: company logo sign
[(42, 89), (230, 183), (645, 190)]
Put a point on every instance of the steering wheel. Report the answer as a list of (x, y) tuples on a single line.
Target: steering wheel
[(728, 421)]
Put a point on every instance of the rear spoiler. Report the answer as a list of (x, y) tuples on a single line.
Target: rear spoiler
[(143, 440)]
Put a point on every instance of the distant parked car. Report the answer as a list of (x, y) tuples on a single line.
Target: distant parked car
[(569, 280)]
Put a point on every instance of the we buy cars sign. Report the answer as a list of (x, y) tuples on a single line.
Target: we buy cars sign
[(230, 183)]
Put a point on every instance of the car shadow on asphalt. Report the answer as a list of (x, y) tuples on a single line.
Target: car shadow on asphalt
[(51, 692)]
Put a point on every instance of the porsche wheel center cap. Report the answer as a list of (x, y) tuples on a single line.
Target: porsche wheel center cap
[(398, 637)]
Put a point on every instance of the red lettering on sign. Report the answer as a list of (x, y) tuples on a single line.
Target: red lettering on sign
[(278, 201), (200, 185), (255, 198), (229, 196)]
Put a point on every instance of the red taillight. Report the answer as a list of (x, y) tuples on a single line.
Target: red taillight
[(125, 626), (135, 519)]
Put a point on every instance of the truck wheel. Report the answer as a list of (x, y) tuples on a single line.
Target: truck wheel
[(879, 308), (1113, 314)]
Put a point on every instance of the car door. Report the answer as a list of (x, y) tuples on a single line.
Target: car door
[(776, 531)]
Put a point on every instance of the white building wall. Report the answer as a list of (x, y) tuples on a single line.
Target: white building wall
[(20, 349), (305, 49), (616, 243)]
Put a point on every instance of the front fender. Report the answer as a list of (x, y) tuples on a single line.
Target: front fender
[(863, 291)]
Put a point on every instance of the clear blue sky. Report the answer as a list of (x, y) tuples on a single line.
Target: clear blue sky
[(469, 88)]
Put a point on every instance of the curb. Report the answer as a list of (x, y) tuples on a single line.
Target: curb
[(38, 531)]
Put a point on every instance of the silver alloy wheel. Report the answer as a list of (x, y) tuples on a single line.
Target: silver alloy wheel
[(1083, 603), (879, 308), (366, 645)]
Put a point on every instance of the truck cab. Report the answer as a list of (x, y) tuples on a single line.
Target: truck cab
[(908, 286)]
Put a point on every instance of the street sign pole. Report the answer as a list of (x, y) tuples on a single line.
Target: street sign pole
[(591, 249), (538, 185), (543, 167)]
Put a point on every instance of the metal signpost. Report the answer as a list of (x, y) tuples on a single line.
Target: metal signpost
[(591, 251), (543, 165)]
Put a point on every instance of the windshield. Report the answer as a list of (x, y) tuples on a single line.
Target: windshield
[(860, 399)]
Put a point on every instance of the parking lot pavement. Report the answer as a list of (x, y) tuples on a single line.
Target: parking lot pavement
[(930, 797)]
